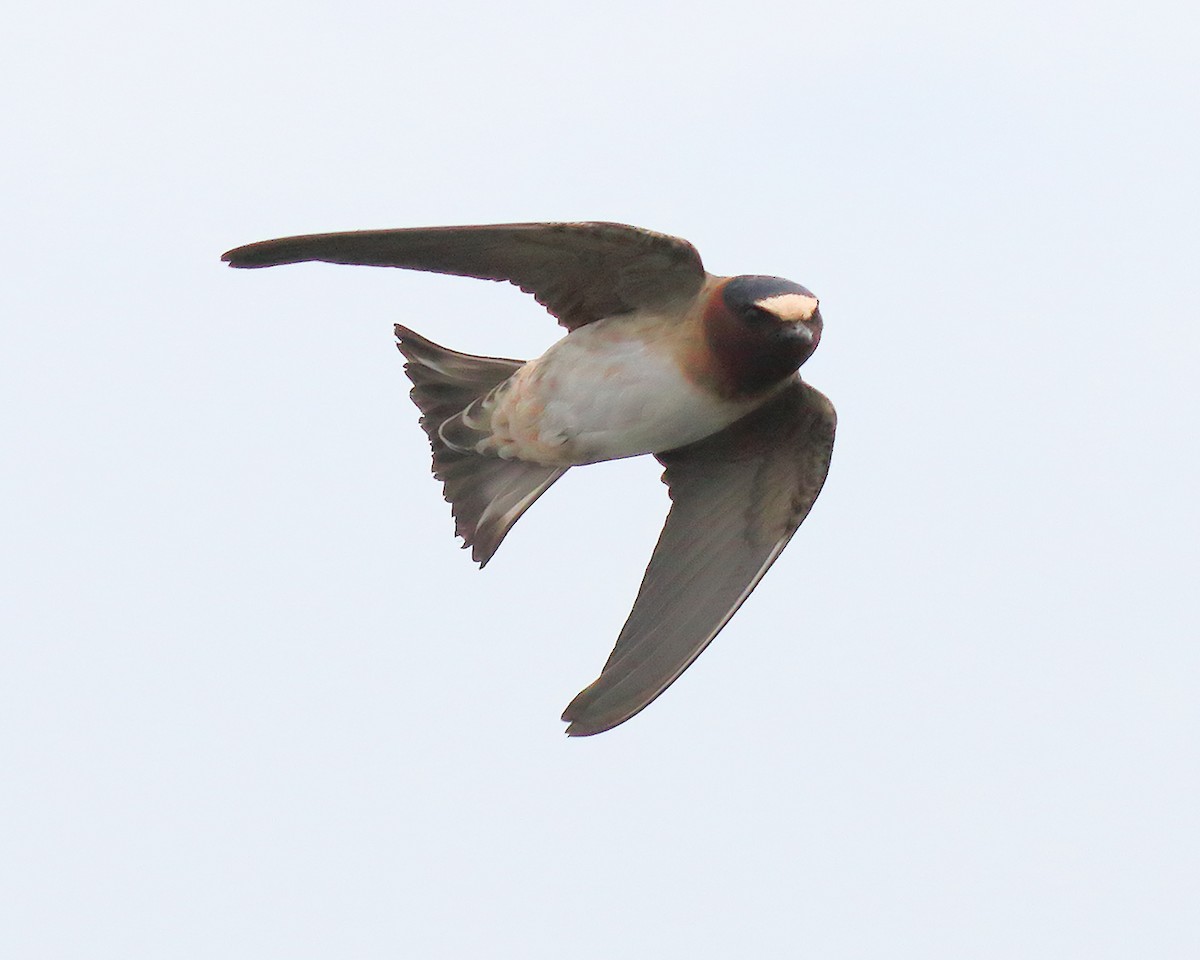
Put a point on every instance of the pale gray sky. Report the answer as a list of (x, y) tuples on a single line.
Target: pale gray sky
[(255, 703)]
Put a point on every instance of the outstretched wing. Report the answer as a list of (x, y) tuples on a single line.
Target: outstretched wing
[(580, 272), (737, 498)]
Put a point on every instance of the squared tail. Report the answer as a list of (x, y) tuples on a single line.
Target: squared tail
[(487, 494)]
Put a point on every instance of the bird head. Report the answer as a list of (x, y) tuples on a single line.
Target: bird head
[(760, 330)]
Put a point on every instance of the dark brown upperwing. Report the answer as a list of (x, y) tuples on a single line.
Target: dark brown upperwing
[(581, 272), (737, 498)]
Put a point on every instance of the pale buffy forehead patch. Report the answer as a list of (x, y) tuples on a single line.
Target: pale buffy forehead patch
[(790, 307)]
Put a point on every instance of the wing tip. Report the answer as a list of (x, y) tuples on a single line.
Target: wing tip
[(584, 720), (582, 728), (253, 255), (576, 716), (241, 257)]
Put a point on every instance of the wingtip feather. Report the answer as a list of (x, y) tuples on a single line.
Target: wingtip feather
[(584, 721), (243, 258)]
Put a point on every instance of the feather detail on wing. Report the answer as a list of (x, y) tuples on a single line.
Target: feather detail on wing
[(737, 498), (581, 272)]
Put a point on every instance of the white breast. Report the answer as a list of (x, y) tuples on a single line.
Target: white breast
[(610, 389)]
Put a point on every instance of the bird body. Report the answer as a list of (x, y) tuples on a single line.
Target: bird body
[(619, 387), (660, 358)]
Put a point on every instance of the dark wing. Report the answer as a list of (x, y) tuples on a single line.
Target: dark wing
[(580, 272), (737, 498)]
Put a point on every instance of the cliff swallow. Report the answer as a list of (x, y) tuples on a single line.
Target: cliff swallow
[(660, 358)]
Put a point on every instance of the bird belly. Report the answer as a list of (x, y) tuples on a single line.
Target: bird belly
[(610, 389)]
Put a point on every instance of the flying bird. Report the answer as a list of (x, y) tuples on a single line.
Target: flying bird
[(660, 358)]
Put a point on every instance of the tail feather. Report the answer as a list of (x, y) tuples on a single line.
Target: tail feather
[(487, 494)]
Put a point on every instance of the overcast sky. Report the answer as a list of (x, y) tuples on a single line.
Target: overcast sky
[(256, 703)]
